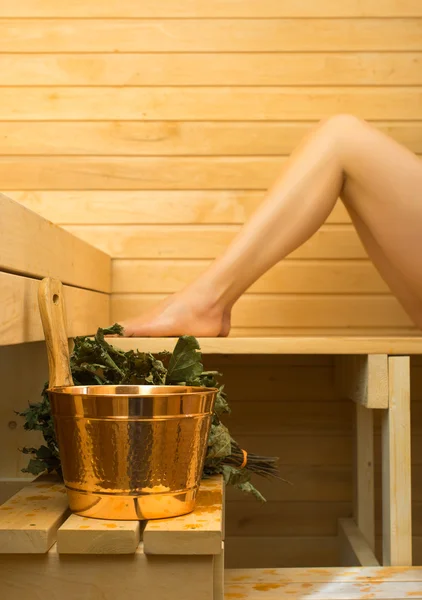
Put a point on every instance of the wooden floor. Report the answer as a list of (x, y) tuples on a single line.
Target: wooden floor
[(357, 583)]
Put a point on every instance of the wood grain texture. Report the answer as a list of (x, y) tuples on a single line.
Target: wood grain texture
[(326, 276), (81, 535), (134, 173), (52, 308), (355, 549), (243, 69), (285, 345), (172, 138), (29, 245), (219, 574), (103, 577), (364, 475), (297, 585), (20, 320), (30, 519), (209, 103), (211, 35), (155, 207), (207, 242), (338, 574), (219, 8), (23, 371), (200, 532), (364, 379), (289, 310), (396, 467)]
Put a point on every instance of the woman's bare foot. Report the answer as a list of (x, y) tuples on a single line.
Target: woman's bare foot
[(181, 314)]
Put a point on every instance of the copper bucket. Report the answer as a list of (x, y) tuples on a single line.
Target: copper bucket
[(127, 452)]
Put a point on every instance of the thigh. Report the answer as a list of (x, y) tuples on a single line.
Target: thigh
[(383, 193)]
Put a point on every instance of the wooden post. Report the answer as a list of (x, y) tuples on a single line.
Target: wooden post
[(364, 500), (396, 466)]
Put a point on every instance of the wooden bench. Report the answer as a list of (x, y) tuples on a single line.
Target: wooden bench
[(45, 552), (375, 374)]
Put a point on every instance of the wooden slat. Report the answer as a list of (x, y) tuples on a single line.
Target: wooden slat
[(364, 379), (396, 467), (271, 69), (302, 277), (219, 575), (331, 591), (134, 173), (355, 549), (290, 418), (332, 332), (285, 345), (20, 320), (75, 207), (178, 35), (219, 8), (30, 519), (209, 103), (276, 381), (33, 246), (80, 535), (281, 518), (364, 481), (207, 242), (360, 575), (200, 532), (100, 577), (137, 138), (289, 311), (268, 552)]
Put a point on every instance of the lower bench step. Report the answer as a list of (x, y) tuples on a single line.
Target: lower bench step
[(356, 583)]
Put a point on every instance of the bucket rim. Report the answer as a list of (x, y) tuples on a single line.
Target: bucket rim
[(132, 391)]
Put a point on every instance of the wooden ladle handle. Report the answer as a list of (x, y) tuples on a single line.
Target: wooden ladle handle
[(53, 317)]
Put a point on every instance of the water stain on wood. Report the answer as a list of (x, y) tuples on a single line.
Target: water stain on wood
[(265, 587), (35, 498)]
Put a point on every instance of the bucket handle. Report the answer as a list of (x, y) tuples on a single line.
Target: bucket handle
[(53, 317)]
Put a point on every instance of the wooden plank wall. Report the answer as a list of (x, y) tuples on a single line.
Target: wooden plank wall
[(289, 407), (152, 129)]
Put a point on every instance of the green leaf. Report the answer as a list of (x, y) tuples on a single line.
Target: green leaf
[(43, 453), (95, 361), (35, 466), (219, 442), (185, 364)]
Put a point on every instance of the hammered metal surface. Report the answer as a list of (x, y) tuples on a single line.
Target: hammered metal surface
[(132, 456)]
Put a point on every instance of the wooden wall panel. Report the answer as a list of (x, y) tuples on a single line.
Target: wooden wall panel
[(209, 103), (206, 69), (172, 138), (314, 439), (151, 130), (212, 35), (219, 8), (20, 320)]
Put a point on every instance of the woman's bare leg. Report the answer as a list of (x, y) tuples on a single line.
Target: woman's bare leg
[(379, 181)]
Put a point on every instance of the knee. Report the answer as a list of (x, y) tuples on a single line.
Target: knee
[(346, 134), (341, 124)]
